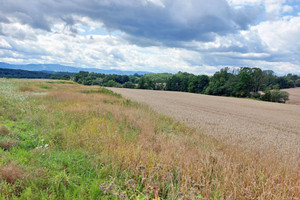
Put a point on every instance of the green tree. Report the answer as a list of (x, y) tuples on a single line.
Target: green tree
[(128, 85), (112, 83), (218, 84), (179, 82), (145, 83), (198, 84), (297, 83), (244, 82), (79, 77)]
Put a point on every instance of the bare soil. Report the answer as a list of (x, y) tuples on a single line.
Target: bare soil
[(269, 128)]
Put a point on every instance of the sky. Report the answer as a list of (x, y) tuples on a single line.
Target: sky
[(195, 36)]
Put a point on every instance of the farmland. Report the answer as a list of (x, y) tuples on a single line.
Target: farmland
[(255, 125), (294, 95), (61, 140)]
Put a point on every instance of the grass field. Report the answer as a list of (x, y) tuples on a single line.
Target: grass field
[(68, 141)]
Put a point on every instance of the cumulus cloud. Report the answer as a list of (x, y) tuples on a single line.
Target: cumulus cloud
[(161, 20), (152, 35)]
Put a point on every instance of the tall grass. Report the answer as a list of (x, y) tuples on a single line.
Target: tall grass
[(78, 142)]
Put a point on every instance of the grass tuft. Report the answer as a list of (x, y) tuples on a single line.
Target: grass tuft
[(7, 144), (11, 173), (4, 131)]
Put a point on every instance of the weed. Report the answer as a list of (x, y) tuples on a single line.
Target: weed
[(8, 143), (4, 131), (11, 173)]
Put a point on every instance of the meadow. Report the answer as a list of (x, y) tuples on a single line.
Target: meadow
[(60, 140)]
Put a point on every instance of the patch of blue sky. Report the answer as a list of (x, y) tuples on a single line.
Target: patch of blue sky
[(295, 4), (55, 28), (84, 30)]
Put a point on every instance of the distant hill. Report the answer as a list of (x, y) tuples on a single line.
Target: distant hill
[(18, 73), (63, 68)]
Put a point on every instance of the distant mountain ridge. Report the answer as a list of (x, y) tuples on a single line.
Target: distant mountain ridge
[(63, 68)]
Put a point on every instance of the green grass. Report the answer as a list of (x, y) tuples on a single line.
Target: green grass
[(62, 82), (49, 170), (102, 91), (45, 86)]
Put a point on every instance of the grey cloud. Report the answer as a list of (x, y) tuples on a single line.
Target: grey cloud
[(1, 30), (4, 19), (27, 12), (177, 21)]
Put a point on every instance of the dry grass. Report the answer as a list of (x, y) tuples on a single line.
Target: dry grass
[(4, 131), (11, 173), (183, 161), (26, 88), (8, 143), (162, 156), (270, 130), (263, 145)]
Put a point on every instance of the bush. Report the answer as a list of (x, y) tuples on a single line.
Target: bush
[(112, 83), (275, 96), (256, 95), (297, 83), (128, 85), (279, 96), (266, 96)]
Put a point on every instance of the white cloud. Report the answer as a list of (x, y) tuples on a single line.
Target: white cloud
[(287, 9), (85, 40), (281, 35), (4, 44)]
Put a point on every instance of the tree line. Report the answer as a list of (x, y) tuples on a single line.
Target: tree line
[(242, 82), (18, 73)]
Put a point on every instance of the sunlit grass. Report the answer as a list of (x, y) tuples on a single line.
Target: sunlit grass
[(78, 142)]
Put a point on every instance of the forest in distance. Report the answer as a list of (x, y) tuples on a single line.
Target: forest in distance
[(244, 82), (18, 73)]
